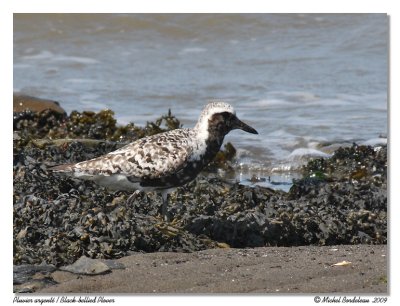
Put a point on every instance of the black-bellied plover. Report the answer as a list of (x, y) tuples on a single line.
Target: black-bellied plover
[(163, 161)]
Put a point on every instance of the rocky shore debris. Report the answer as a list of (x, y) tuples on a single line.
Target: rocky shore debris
[(57, 220)]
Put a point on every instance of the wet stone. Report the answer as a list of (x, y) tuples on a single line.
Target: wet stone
[(87, 266)]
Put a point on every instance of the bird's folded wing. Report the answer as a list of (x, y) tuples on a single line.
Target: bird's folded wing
[(151, 157)]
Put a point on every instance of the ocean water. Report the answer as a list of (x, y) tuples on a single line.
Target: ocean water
[(307, 82)]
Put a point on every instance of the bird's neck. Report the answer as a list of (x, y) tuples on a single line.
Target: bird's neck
[(206, 145), (211, 143)]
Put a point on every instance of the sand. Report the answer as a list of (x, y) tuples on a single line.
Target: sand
[(283, 270)]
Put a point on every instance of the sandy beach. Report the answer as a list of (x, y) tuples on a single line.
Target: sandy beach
[(279, 270)]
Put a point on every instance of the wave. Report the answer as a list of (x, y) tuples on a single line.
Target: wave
[(50, 56), (192, 50)]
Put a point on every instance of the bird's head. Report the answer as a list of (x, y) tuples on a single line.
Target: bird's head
[(220, 118)]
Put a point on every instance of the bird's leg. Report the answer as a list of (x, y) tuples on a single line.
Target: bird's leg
[(133, 196), (164, 210)]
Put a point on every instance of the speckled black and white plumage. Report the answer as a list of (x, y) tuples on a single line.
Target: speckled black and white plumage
[(165, 160)]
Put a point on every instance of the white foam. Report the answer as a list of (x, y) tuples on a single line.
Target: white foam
[(39, 56), (50, 56), (75, 59), (375, 142), (307, 152), (302, 96), (280, 133)]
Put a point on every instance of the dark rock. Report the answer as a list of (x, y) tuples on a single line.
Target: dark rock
[(24, 273), (35, 285)]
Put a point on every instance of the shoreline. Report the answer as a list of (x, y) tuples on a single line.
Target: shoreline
[(341, 200)]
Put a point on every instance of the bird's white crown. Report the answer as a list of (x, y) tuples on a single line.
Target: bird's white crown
[(212, 108)]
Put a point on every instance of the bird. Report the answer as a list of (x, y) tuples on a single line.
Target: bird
[(164, 161)]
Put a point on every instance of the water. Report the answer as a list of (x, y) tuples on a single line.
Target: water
[(301, 80)]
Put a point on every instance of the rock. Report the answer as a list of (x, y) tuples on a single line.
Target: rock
[(113, 264), (24, 273), (36, 105), (35, 285), (87, 266)]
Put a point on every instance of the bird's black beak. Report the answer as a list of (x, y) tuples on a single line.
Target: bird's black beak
[(237, 124)]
